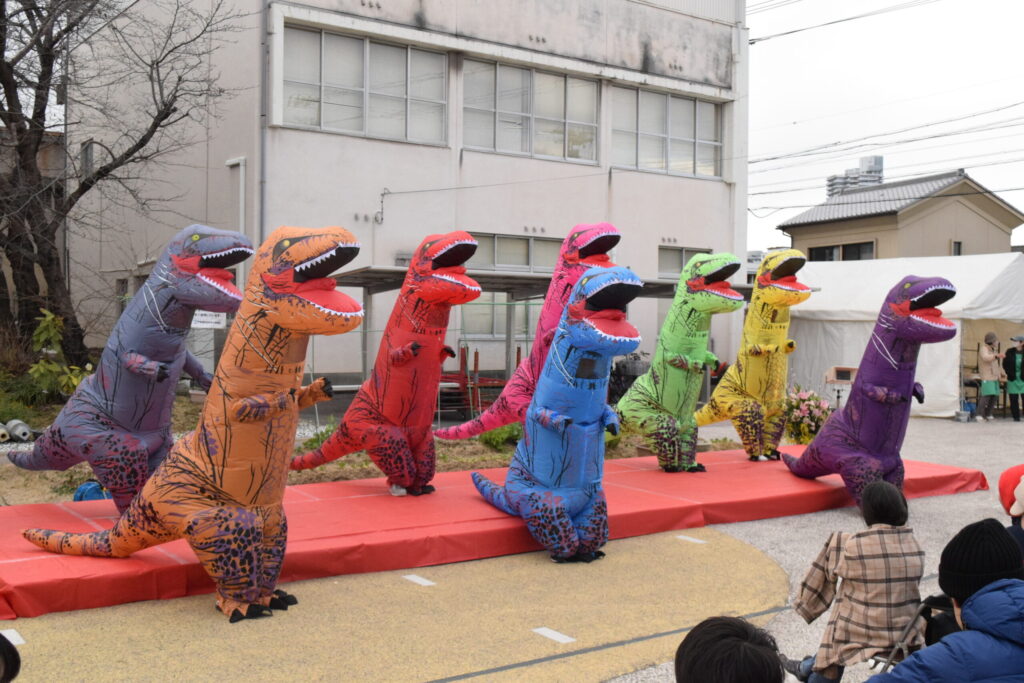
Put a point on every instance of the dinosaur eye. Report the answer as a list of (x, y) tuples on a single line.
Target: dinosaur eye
[(283, 245), (195, 237), (286, 243), (906, 286)]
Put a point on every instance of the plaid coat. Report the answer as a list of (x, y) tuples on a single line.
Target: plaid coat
[(880, 569)]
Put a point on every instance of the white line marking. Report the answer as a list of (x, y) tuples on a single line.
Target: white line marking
[(553, 635), (418, 580), (12, 636), (92, 523), (691, 539)]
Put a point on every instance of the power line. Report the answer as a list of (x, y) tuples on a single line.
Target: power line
[(758, 7), (829, 146), (894, 178), (883, 10)]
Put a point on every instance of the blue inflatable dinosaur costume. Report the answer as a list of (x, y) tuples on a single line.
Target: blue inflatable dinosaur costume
[(554, 481), (119, 418)]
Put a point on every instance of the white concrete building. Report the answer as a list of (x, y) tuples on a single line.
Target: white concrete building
[(514, 121)]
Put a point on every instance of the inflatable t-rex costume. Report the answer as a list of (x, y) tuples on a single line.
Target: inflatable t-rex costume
[(752, 392), (119, 418), (585, 247), (862, 441), (554, 481), (660, 402), (221, 486), (392, 415)]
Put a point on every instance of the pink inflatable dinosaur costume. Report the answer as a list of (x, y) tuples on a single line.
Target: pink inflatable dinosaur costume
[(585, 247)]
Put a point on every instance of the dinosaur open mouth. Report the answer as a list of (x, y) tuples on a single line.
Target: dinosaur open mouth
[(226, 258), (595, 251), (717, 282), (447, 265), (220, 279), (924, 307), (783, 275), (326, 263), (455, 254), (605, 310), (308, 281)]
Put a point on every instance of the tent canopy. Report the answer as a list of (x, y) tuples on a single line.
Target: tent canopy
[(988, 286), (833, 326)]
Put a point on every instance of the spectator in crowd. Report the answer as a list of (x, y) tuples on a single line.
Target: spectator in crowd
[(1014, 374), (1011, 495), (991, 372), (728, 650), (982, 571), (10, 660), (880, 569)]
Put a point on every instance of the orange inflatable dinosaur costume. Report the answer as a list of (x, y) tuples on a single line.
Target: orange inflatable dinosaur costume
[(221, 485)]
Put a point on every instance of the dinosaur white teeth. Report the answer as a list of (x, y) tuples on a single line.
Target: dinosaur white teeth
[(214, 283)]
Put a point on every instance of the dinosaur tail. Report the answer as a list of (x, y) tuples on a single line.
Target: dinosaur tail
[(510, 406), (120, 541), (492, 493), (336, 446)]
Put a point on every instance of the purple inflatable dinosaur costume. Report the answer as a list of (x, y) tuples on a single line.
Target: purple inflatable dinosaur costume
[(119, 418), (585, 247), (862, 441)]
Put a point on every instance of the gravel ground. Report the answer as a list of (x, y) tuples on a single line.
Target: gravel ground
[(794, 541)]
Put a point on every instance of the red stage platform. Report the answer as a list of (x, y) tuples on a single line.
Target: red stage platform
[(355, 526)]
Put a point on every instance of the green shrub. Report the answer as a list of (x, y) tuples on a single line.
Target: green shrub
[(612, 441), (318, 439), (13, 409), (498, 439)]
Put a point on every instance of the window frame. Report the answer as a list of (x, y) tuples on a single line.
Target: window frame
[(696, 139), (692, 251), (531, 265), (532, 117), (366, 90), (840, 251)]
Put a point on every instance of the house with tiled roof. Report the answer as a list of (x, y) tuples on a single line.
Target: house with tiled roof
[(947, 214)]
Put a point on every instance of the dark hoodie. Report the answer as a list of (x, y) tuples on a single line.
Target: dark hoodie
[(990, 650)]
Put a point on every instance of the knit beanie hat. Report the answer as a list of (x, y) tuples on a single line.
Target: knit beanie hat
[(979, 554), (991, 338), (1011, 490)]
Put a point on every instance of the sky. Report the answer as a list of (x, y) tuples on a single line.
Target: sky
[(865, 79)]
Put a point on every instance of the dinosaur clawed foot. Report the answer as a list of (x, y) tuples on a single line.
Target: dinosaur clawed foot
[(251, 612), (774, 454), (582, 556), (420, 490), (693, 467), (281, 600)]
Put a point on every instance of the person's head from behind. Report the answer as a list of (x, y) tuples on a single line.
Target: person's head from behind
[(728, 650), (10, 661), (981, 553), (883, 503)]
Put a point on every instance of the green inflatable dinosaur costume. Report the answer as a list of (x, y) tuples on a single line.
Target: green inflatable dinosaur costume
[(753, 391), (660, 403)]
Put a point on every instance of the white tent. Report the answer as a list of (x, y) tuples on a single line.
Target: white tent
[(833, 326)]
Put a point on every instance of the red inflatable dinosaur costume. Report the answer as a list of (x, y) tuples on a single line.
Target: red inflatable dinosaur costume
[(392, 415), (221, 485)]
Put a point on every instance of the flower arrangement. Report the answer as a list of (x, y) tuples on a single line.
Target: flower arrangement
[(805, 412)]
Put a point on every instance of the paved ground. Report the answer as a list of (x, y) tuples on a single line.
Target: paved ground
[(793, 542), (477, 619)]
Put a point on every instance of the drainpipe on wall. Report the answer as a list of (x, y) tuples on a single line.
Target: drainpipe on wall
[(264, 94)]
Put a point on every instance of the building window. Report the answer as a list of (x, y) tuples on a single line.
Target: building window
[(507, 252), (659, 132), (85, 160), (958, 248), (486, 317), (672, 259), (354, 85), (859, 251), (522, 111), (121, 289)]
